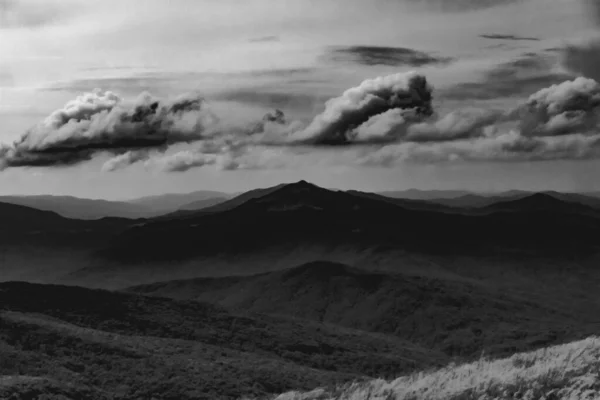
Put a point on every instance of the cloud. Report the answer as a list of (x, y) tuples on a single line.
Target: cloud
[(270, 98), (102, 122), (558, 122), (223, 157), (264, 39), (572, 106), (126, 159), (357, 105), (404, 126), (32, 14), (584, 58), (519, 77), (507, 147), (383, 121), (462, 5), (379, 55), (593, 7), (507, 37)]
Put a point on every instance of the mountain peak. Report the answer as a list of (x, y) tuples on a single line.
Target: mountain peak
[(303, 183)]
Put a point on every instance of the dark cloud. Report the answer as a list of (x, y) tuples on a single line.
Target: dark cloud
[(584, 58), (271, 99), (498, 36), (519, 77), (379, 55), (263, 39)]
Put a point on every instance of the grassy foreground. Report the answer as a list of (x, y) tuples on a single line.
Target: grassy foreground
[(570, 371)]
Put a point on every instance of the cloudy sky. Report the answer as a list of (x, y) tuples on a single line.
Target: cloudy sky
[(122, 98)]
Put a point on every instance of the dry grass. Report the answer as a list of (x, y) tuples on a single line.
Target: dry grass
[(569, 371)]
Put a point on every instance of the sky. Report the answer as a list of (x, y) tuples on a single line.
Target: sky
[(120, 99)]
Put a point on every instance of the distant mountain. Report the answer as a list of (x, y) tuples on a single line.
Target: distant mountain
[(547, 203), (74, 207), (27, 220), (585, 199), (424, 205), (242, 198), (172, 202), (202, 204), (21, 218), (474, 200), (416, 194)]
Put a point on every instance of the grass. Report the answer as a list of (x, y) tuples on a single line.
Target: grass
[(566, 372)]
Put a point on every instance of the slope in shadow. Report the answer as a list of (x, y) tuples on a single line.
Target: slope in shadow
[(302, 213), (456, 318), (135, 346)]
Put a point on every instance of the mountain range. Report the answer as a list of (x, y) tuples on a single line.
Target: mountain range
[(288, 288)]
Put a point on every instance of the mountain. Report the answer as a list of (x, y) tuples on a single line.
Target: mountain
[(242, 198), (416, 194), (545, 203), (202, 204), (474, 200), (23, 220), (303, 214), (424, 205), (171, 202), (456, 318), (484, 200), (42, 246), (588, 200), (74, 207), (95, 344)]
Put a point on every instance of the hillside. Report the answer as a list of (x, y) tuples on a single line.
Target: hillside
[(99, 344), (456, 318), (43, 246), (568, 371), (23, 220)]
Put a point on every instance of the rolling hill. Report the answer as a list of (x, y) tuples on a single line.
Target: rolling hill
[(97, 344), (287, 288), (456, 318)]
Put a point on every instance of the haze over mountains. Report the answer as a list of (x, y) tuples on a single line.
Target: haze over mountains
[(288, 288)]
